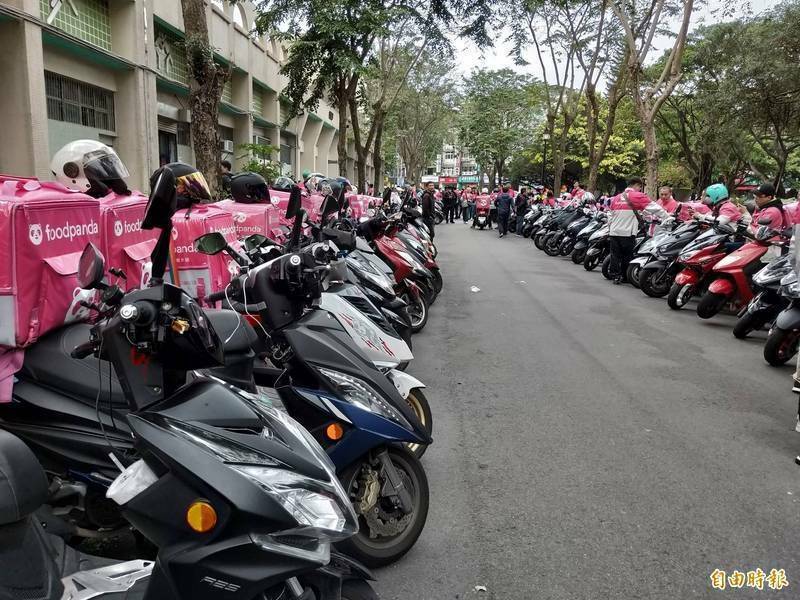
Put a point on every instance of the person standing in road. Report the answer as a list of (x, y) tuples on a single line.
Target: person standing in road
[(625, 221), (449, 200), (504, 203), (428, 203), (521, 207)]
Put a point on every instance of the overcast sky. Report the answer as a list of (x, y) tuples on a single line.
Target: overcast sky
[(469, 57)]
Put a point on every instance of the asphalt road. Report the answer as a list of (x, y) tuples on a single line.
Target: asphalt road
[(591, 443)]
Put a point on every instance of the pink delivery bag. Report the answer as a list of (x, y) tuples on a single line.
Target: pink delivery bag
[(44, 228), (125, 245)]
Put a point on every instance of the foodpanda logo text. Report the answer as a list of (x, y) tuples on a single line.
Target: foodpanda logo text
[(121, 227), (67, 231), (229, 230)]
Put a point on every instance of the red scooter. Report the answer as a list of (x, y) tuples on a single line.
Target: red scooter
[(698, 260), (731, 277), (415, 283), (483, 207)]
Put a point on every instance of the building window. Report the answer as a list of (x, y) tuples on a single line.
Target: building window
[(258, 101), (239, 18), (76, 102), (85, 19), (170, 57), (227, 92)]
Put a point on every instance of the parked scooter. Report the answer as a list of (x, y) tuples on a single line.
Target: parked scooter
[(784, 335), (698, 260), (731, 281), (662, 264), (570, 234), (582, 239), (530, 218), (768, 302), (348, 405), (483, 207), (598, 251)]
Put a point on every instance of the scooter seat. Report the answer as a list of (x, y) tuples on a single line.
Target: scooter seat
[(48, 362)]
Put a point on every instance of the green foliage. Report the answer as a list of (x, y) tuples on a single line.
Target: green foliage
[(496, 115), (260, 160)]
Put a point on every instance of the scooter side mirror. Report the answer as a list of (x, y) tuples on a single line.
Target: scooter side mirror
[(252, 242), (91, 268), (210, 243)]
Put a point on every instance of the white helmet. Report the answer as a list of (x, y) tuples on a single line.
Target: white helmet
[(81, 164), (588, 198)]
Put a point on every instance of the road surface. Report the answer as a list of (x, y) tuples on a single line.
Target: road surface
[(591, 443)]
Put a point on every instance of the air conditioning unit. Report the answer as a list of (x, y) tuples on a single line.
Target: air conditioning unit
[(227, 146)]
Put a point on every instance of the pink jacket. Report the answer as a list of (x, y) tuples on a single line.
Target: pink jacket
[(622, 220), (775, 216)]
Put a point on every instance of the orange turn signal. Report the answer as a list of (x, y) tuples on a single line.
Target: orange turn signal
[(334, 431), (201, 516)]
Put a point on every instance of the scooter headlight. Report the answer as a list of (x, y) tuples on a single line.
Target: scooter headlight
[(363, 395), (790, 286), (312, 504)]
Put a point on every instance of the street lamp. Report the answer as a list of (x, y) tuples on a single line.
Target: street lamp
[(545, 138)]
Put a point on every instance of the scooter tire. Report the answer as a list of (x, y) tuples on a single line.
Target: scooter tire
[(781, 346), (677, 297), (526, 232), (538, 241), (710, 304), (438, 283), (422, 309), (551, 248), (419, 404), (438, 219), (606, 268), (578, 255), (649, 287), (747, 324), (632, 274), (565, 249), (357, 589), (590, 262), (366, 550)]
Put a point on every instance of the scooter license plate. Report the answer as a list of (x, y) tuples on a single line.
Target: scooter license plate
[(771, 254)]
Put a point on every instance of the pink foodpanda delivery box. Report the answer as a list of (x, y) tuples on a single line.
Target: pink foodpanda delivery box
[(44, 228), (125, 245), (260, 217), (197, 273)]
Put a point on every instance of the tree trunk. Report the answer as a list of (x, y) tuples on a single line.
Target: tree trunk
[(650, 157), (377, 157), (341, 145), (206, 80)]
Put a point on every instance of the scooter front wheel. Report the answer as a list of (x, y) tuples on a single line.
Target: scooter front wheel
[(538, 241), (578, 255), (679, 295), (385, 534), (748, 323), (551, 246), (632, 274), (591, 261), (781, 345), (710, 304), (606, 268), (419, 404), (418, 310), (655, 282)]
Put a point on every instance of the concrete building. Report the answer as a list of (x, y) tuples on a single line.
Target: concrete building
[(456, 166), (115, 70)]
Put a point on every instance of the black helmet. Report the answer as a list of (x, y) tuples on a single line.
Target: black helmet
[(190, 185), (283, 184), (249, 188)]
